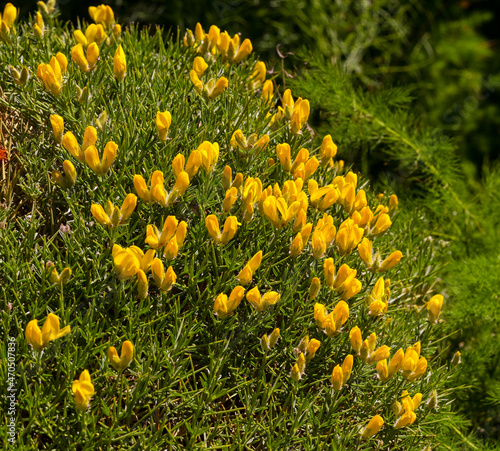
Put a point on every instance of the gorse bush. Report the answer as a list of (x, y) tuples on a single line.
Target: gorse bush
[(204, 272)]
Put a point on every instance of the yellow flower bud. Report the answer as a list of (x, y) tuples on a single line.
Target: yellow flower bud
[(337, 378), (434, 307), (314, 288), (267, 91), (78, 57), (80, 37), (83, 389), (356, 339), (122, 362), (92, 55), (9, 15), (119, 64), (391, 261), (57, 123), (70, 143), (373, 427), (199, 66), (163, 121)]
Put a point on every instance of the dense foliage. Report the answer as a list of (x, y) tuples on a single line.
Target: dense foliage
[(312, 318)]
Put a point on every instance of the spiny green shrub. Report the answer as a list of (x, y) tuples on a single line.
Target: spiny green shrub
[(310, 319)]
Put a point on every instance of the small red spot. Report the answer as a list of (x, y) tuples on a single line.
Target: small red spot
[(3, 154)]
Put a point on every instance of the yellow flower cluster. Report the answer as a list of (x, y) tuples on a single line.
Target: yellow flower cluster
[(331, 323), (341, 219), (215, 43), (295, 111), (51, 75), (405, 411), (341, 374)]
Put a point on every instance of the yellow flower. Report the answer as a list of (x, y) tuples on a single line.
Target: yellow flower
[(224, 307), (382, 223), (329, 271), (83, 389), (295, 374), (102, 14), (193, 163), (80, 37), (393, 202), (246, 274), (382, 370), (128, 261), (373, 427), (318, 244), (51, 76), (163, 280), (39, 26), (262, 302), (300, 115), (267, 91), (113, 216), (142, 285), (406, 412), (78, 57), (158, 240), (356, 339), (365, 251), (212, 88), (108, 157), (348, 236), (68, 179), (328, 151), (395, 363), (345, 282), (272, 205), (230, 228), (70, 143), (119, 64), (122, 362), (161, 196), (253, 144), (434, 307), (39, 339), (413, 365), (231, 50), (57, 123), (9, 15), (336, 378), (269, 343), (230, 199), (92, 55), (57, 279), (341, 374), (163, 121), (258, 75), (95, 33), (142, 189), (199, 66), (209, 154), (377, 299), (331, 323), (284, 154), (381, 353), (311, 349), (297, 245), (391, 261)]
